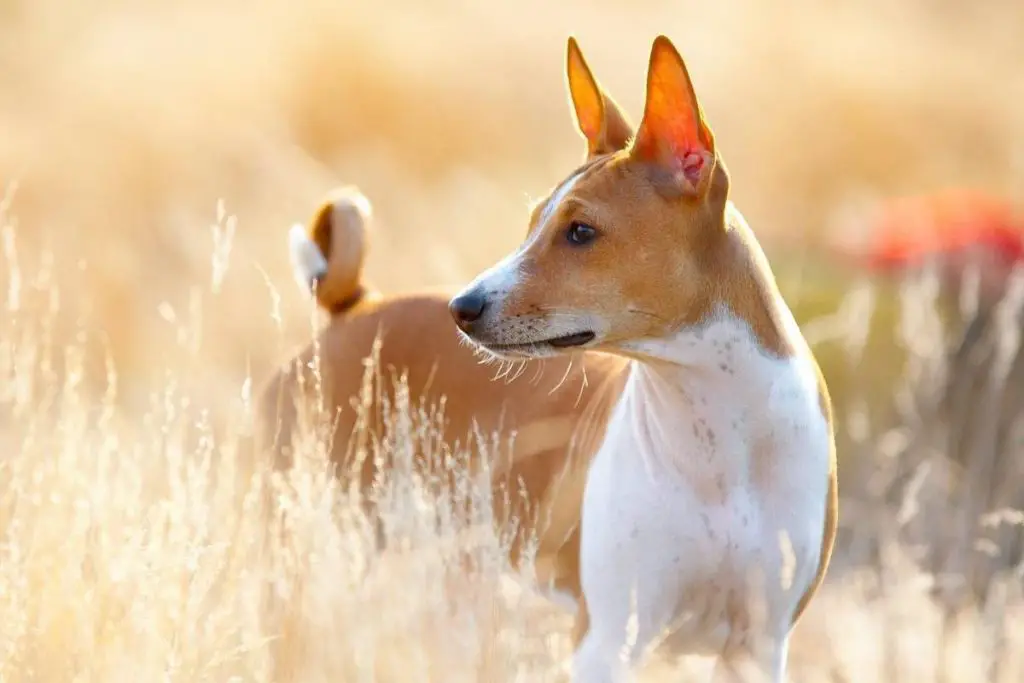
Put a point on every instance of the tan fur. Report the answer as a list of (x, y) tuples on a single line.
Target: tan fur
[(602, 123), (339, 230), (555, 409)]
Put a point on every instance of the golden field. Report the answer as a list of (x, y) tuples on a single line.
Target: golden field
[(153, 155)]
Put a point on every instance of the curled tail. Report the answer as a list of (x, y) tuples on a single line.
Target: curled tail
[(327, 255)]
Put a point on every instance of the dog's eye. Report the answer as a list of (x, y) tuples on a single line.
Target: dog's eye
[(580, 233)]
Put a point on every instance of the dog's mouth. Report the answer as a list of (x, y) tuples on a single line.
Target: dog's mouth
[(566, 341), (570, 340)]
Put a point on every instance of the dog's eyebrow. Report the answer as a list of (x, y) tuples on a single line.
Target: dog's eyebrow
[(578, 205), (581, 173), (558, 195)]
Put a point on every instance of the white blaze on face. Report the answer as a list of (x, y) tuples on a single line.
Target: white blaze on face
[(499, 280), (308, 262)]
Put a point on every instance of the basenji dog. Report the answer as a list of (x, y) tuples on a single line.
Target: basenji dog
[(554, 414), (710, 508)]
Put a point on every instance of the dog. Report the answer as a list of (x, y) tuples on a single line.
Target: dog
[(554, 412), (710, 509)]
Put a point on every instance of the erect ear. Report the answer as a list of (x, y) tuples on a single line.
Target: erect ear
[(673, 134), (598, 118)]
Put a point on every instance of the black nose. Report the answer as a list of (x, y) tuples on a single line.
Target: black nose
[(467, 308)]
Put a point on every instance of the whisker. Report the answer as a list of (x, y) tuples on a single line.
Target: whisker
[(568, 369), (538, 374), (583, 385), (515, 370), (503, 368), (522, 368)]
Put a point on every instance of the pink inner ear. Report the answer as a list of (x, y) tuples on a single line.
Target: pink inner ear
[(671, 134), (692, 164), (672, 131)]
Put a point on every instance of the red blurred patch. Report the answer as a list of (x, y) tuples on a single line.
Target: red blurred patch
[(911, 229)]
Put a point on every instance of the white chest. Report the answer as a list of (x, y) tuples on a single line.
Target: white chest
[(704, 508)]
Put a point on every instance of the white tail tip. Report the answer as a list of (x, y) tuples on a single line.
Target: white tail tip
[(308, 262), (355, 198)]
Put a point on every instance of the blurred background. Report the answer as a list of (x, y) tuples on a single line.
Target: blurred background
[(123, 125), (154, 154)]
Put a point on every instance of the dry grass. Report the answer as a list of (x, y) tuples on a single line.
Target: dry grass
[(153, 548), (135, 539), (156, 547)]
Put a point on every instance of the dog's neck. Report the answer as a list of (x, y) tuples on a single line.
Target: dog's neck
[(700, 409), (744, 333), (712, 387), (719, 357)]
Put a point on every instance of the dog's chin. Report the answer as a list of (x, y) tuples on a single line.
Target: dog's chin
[(539, 348)]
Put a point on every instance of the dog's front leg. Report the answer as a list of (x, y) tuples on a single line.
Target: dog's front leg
[(597, 660), (765, 664)]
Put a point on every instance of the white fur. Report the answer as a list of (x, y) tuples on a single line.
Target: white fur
[(712, 474), (503, 277), (352, 196), (308, 262)]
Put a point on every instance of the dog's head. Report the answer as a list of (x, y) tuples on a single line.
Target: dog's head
[(628, 246)]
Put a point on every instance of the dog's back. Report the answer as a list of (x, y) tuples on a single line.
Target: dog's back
[(556, 409)]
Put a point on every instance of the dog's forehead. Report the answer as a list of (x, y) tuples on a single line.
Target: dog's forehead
[(594, 183)]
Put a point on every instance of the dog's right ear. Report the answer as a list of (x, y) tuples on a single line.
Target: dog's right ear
[(598, 118)]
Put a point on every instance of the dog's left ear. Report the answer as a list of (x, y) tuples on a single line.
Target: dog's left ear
[(598, 118), (673, 134)]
